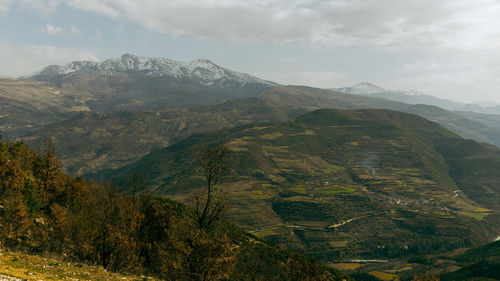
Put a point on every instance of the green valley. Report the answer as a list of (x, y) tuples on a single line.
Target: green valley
[(344, 185)]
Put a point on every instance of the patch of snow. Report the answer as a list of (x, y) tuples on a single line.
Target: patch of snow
[(202, 70), (363, 88), (414, 93)]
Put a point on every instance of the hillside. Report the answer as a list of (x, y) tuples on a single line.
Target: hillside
[(482, 263), (43, 211), (90, 142), (329, 180), (111, 140), (28, 104)]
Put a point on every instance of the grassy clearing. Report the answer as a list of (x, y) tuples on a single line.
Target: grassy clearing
[(265, 233), (475, 215), (299, 190), (282, 160), (29, 267), (260, 196), (339, 191), (271, 136), (306, 133), (345, 266), (275, 148), (384, 276), (482, 210), (448, 217), (239, 145)]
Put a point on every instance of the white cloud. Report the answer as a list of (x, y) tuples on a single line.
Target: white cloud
[(388, 23), (102, 7), (51, 30), (461, 24), (43, 6), (5, 6), (20, 60), (423, 44)]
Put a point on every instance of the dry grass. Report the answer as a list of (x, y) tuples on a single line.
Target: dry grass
[(30, 267), (384, 276), (345, 266)]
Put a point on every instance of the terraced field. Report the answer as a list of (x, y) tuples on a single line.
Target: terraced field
[(337, 184)]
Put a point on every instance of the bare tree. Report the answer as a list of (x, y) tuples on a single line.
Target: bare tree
[(135, 183), (212, 160)]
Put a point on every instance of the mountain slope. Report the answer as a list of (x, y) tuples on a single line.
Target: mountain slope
[(111, 140), (480, 263), (202, 70), (27, 104), (136, 83), (328, 181), (90, 142)]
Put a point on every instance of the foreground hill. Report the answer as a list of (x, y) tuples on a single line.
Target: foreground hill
[(46, 212), (347, 184)]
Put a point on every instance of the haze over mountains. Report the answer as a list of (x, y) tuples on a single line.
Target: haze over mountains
[(416, 97), (53, 102), (315, 170)]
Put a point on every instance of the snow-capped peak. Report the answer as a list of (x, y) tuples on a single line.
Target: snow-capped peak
[(363, 88), (414, 93), (366, 88), (202, 70)]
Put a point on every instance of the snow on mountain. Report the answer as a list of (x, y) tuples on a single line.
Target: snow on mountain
[(413, 93), (368, 89), (202, 70), (363, 89), (411, 96)]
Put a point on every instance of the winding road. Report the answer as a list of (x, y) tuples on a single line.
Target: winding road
[(353, 219)]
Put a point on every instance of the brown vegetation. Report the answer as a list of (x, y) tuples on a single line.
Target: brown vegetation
[(44, 211)]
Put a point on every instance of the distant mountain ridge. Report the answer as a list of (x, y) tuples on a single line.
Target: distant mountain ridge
[(362, 89), (201, 70), (133, 82), (411, 96), (417, 97)]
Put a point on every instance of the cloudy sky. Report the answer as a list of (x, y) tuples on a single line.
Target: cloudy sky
[(447, 48)]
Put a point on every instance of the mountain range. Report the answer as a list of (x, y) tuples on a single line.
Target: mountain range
[(200, 70), (137, 83), (416, 97), (93, 110), (340, 174)]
